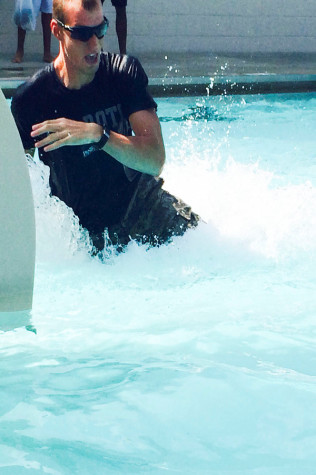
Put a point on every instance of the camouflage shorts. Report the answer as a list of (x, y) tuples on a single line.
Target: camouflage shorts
[(153, 216)]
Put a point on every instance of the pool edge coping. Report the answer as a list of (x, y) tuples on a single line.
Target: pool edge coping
[(210, 85)]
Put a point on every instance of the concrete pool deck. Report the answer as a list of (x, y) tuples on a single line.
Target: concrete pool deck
[(200, 73)]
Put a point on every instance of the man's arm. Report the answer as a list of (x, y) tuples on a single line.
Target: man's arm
[(144, 152)]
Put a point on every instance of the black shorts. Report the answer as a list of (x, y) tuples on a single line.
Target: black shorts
[(153, 217), (119, 3)]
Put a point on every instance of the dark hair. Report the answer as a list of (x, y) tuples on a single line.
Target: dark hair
[(58, 7)]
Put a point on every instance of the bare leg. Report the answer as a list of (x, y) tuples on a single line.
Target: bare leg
[(46, 19), (121, 28), (18, 57)]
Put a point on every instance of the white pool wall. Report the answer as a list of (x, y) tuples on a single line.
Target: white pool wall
[(231, 26)]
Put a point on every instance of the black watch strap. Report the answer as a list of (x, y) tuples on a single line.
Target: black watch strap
[(98, 145), (104, 138)]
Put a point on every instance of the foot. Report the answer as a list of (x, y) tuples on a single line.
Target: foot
[(18, 57)]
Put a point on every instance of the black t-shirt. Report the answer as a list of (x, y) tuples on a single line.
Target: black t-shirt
[(97, 187)]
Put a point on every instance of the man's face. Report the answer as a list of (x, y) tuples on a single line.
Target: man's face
[(81, 57)]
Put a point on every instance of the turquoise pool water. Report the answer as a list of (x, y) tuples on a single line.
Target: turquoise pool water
[(194, 358)]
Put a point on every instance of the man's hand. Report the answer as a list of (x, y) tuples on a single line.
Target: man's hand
[(143, 151), (64, 132)]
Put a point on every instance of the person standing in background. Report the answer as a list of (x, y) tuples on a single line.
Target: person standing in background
[(25, 19), (121, 23)]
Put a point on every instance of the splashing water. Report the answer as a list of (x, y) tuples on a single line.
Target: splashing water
[(196, 357)]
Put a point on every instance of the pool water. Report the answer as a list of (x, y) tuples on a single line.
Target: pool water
[(193, 358)]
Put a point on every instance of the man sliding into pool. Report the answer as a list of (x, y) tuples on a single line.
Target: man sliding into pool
[(91, 117)]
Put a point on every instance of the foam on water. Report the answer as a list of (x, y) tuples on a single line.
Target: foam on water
[(195, 357)]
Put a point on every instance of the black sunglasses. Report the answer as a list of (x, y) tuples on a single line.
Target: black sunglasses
[(84, 33)]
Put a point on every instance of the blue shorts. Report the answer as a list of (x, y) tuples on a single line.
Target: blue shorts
[(44, 6), (25, 18), (119, 3)]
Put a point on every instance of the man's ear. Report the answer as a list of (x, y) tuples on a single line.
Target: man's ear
[(55, 29)]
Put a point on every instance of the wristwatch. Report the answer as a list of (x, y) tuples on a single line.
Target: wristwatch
[(98, 145), (104, 138)]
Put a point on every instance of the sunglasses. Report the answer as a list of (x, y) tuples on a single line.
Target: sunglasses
[(84, 33)]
